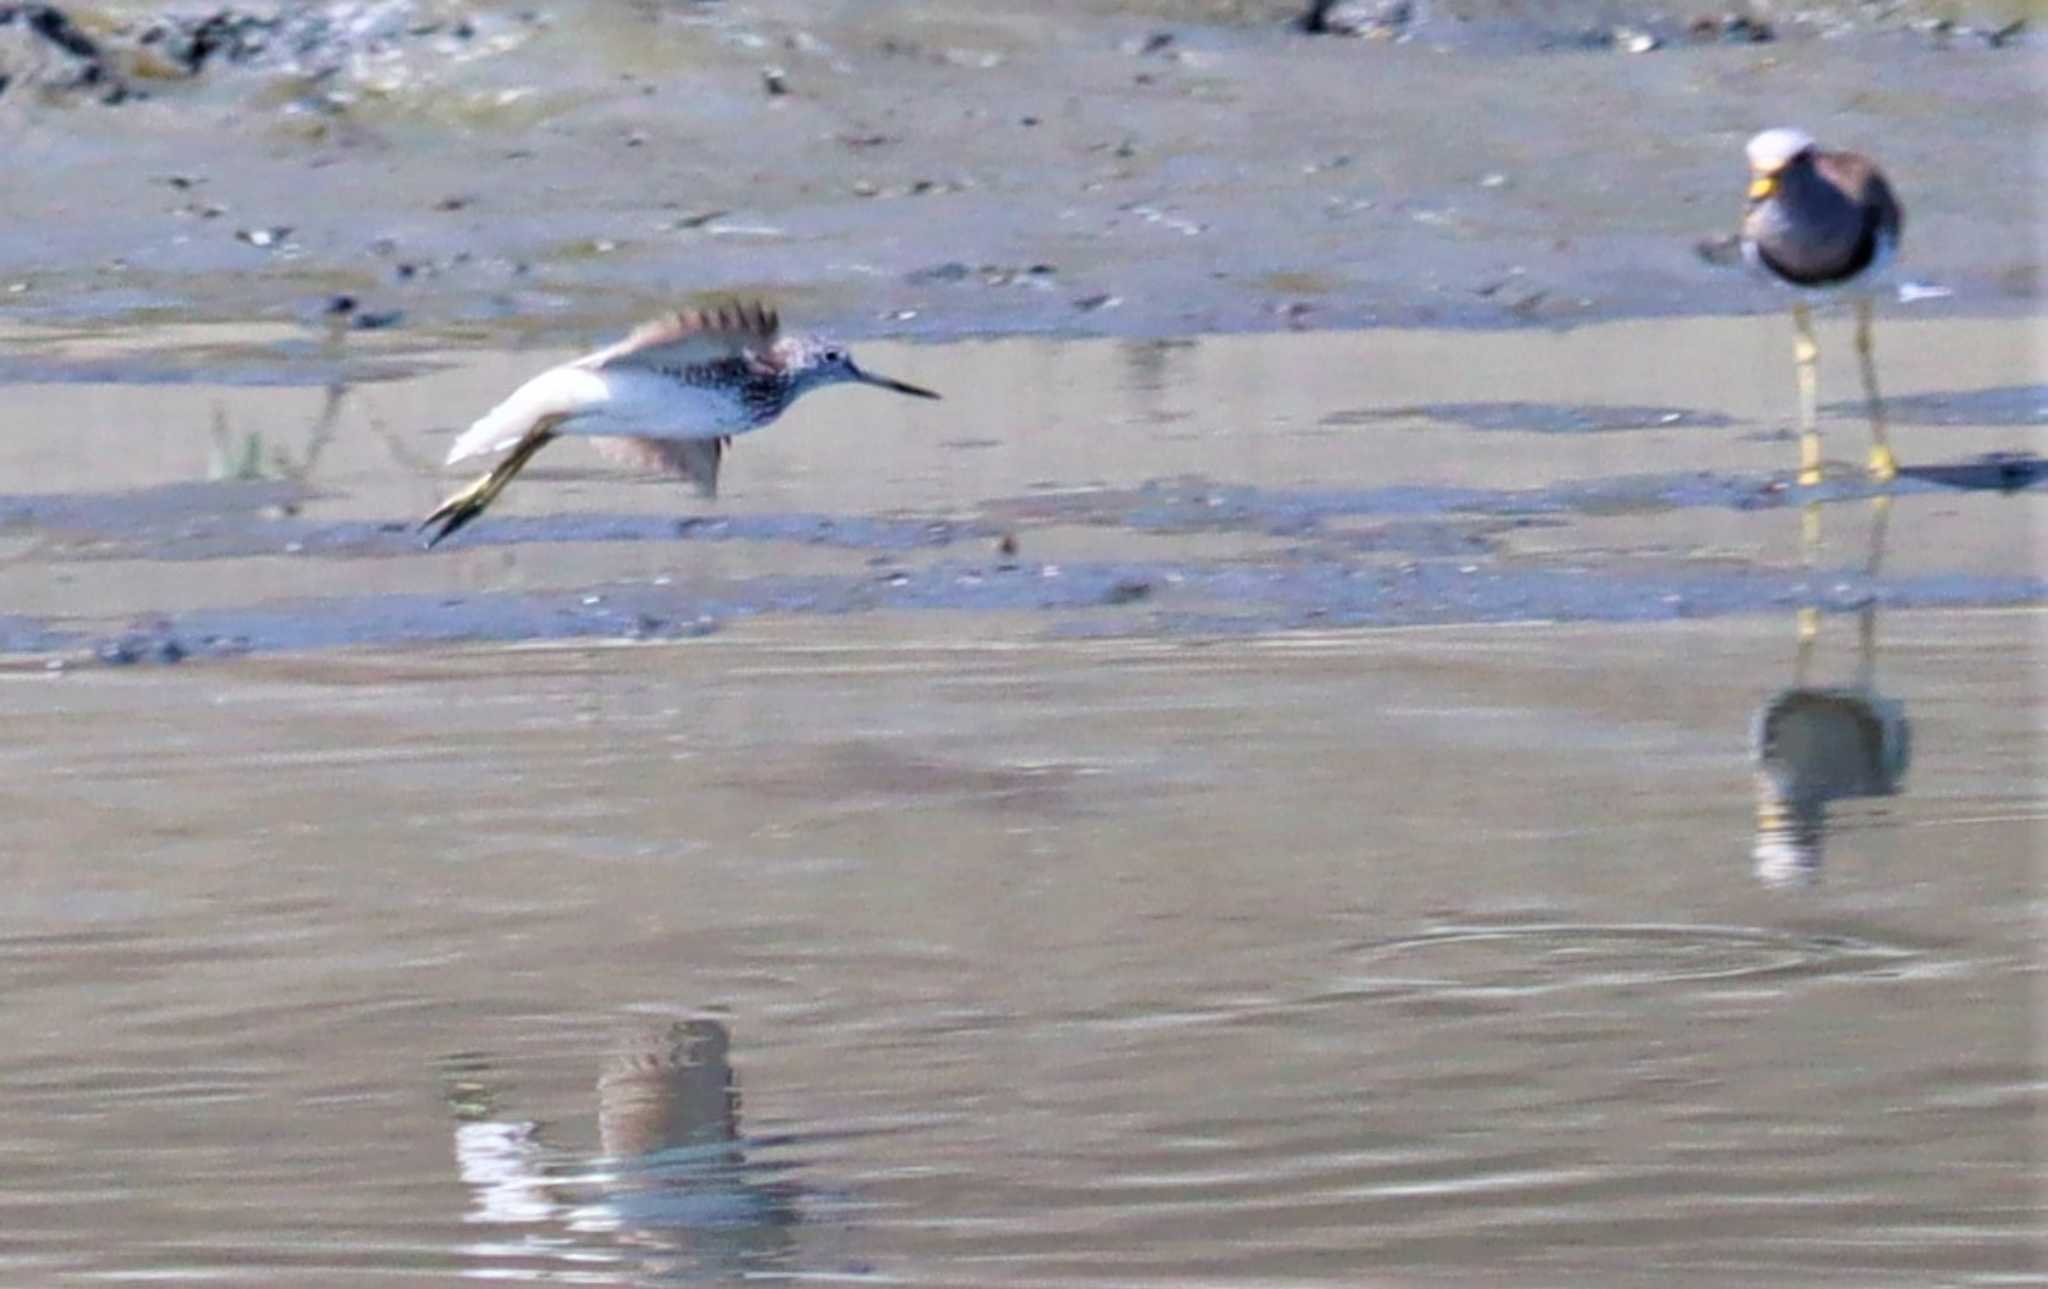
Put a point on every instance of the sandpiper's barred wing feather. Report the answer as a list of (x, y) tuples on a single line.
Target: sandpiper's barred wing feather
[(692, 336)]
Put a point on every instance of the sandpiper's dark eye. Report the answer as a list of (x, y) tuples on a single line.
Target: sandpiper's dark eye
[(835, 355)]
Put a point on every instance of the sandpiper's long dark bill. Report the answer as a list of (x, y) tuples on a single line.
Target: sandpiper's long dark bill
[(671, 395), (1820, 220)]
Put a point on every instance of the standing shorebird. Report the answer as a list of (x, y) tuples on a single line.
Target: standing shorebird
[(671, 394), (1819, 220)]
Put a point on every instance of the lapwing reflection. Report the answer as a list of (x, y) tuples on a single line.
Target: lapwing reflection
[(672, 1192), (1815, 744)]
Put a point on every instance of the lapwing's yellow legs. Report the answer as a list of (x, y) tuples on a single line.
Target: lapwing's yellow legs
[(1883, 466), (1805, 355)]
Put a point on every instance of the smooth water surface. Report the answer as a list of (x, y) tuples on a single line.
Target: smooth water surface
[(910, 952)]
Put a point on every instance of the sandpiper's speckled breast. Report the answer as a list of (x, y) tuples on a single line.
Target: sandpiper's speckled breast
[(698, 401)]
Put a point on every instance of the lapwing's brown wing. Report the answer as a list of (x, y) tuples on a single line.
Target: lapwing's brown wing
[(1864, 185)]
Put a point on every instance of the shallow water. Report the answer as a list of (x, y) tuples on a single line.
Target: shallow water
[(1230, 484), (906, 912), (1341, 958)]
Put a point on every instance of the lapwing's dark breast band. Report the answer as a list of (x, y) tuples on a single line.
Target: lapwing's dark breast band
[(1859, 259)]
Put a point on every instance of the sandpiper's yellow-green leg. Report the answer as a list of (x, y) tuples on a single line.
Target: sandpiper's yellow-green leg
[(1806, 355), (466, 505), (1883, 466)]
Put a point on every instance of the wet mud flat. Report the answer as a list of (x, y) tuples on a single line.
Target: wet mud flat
[(918, 951), (939, 169), (214, 491)]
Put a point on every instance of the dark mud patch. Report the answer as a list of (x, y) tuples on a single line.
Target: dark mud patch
[(1135, 597), (28, 636), (290, 369), (1424, 538), (2009, 405), (1997, 472), (233, 519), (1539, 418), (152, 518), (1191, 505)]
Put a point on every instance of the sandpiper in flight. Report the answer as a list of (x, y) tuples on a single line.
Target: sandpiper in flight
[(671, 394), (1816, 220)]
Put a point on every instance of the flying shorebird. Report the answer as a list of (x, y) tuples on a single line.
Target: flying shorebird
[(671, 394), (1818, 220)]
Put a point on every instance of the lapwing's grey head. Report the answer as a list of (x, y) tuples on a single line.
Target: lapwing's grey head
[(1769, 153), (812, 362)]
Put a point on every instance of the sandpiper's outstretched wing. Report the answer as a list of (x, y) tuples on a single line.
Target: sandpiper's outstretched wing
[(697, 459), (668, 344), (691, 336)]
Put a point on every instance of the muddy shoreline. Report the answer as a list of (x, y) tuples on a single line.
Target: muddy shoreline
[(940, 171), (1221, 487), (1306, 330)]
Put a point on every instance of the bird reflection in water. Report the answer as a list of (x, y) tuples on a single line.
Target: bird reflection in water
[(672, 1193), (1815, 744)]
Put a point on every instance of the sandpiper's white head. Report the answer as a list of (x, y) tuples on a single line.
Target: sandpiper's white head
[(810, 362), (1773, 150)]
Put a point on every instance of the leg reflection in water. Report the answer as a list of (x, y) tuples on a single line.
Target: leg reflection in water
[(1820, 743)]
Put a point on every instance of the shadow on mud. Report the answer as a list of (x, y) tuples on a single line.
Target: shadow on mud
[(1999, 472)]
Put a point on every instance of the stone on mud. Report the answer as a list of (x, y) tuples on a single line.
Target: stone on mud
[(44, 56), (340, 44)]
